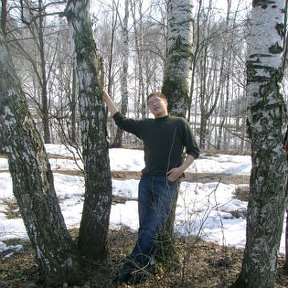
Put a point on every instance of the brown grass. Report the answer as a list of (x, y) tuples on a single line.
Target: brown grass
[(203, 265)]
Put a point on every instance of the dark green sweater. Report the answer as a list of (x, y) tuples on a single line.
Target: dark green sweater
[(164, 141)]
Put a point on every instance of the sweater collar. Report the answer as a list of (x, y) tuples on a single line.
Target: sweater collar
[(162, 118)]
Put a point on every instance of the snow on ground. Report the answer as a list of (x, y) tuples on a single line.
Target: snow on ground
[(203, 209)]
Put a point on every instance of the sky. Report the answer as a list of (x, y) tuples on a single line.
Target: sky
[(209, 206)]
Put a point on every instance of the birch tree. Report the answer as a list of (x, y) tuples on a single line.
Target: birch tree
[(137, 7), (176, 83), (98, 188), (124, 73), (111, 45), (178, 67), (266, 112), (32, 180)]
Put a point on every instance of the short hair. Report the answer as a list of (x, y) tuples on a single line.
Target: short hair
[(156, 93)]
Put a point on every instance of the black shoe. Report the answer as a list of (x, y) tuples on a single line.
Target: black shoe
[(137, 277), (122, 278), (142, 274), (124, 271)]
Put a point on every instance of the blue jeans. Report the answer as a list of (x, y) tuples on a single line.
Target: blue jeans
[(156, 196)]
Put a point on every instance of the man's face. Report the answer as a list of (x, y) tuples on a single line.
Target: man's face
[(158, 106)]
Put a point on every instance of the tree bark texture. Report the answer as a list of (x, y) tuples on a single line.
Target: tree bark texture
[(266, 111), (98, 187), (32, 179), (178, 67)]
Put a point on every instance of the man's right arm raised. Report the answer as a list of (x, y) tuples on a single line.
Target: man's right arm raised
[(109, 103)]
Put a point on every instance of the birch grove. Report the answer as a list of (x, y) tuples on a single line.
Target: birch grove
[(221, 68)]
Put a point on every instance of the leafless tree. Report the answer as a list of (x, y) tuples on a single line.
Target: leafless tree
[(94, 224), (124, 72), (32, 179)]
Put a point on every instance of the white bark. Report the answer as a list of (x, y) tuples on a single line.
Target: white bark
[(266, 114), (98, 191), (178, 68), (32, 180)]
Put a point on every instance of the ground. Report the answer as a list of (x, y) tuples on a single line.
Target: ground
[(202, 264)]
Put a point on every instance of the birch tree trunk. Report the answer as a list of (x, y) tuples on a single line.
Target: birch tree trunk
[(32, 178), (43, 78), (98, 187), (137, 6), (124, 74), (178, 67), (111, 46), (266, 111), (176, 85), (196, 52)]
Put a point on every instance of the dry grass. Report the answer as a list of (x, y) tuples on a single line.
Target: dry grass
[(11, 209), (203, 265)]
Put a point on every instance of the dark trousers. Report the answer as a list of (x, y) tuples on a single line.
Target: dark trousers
[(156, 196)]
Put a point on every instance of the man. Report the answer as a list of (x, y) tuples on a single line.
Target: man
[(164, 139)]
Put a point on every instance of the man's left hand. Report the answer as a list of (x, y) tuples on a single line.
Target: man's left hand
[(174, 174)]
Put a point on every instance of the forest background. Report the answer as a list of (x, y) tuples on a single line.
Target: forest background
[(217, 113)]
